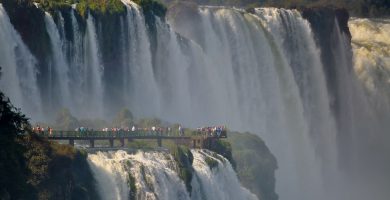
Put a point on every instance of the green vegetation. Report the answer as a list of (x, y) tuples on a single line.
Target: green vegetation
[(224, 149), (133, 188), (51, 5), (124, 118), (211, 163), (100, 6), (95, 6), (34, 168), (255, 165), (184, 159), (150, 7), (65, 120)]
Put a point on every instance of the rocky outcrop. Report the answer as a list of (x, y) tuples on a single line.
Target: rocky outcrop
[(328, 24), (322, 19), (255, 164)]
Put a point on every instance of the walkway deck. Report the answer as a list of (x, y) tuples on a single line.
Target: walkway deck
[(196, 140)]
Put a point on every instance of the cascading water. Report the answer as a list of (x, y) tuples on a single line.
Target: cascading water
[(58, 62), (81, 70), (18, 80), (139, 85), (260, 72), (219, 182), (93, 71), (263, 71), (370, 42), (154, 176)]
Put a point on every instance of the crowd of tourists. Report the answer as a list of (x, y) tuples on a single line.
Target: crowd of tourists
[(212, 131), (152, 130), (39, 129)]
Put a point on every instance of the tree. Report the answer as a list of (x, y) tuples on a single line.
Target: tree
[(13, 125), (65, 120), (124, 118)]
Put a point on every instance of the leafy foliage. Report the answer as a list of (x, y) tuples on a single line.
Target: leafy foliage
[(211, 162), (13, 170), (100, 6), (124, 118), (51, 5), (34, 168), (65, 120)]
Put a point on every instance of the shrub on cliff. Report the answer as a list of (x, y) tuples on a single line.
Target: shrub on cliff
[(100, 6), (34, 168), (124, 118), (13, 170), (224, 149), (65, 120)]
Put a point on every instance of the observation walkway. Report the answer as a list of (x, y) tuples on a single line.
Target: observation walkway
[(194, 140)]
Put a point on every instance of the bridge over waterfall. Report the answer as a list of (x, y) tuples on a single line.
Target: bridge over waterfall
[(195, 140)]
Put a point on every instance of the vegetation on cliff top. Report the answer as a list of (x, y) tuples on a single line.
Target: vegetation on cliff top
[(34, 168), (100, 6), (97, 7)]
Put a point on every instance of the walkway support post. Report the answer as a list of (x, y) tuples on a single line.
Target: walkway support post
[(159, 142), (71, 142), (92, 143), (122, 140), (111, 143)]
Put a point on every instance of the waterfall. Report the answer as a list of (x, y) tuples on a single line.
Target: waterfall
[(216, 183), (267, 98), (18, 70), (58, 62), (154, 175), (93, 71), (261, 71), (140, 86), (370, 42)]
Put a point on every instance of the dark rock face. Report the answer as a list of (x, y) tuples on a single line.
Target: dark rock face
[(330, 28), (323, 18), (325, 22), (28, 21)]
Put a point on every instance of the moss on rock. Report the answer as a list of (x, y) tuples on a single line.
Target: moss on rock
[(211, 163), (223, 148), (255, 164), (184, 159)]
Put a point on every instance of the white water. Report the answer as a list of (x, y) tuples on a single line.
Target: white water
[(79, 75), (256, 72), (93, 71), (371, 45), (155, 176), (19, 73), (217, 183), (59, 63)]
